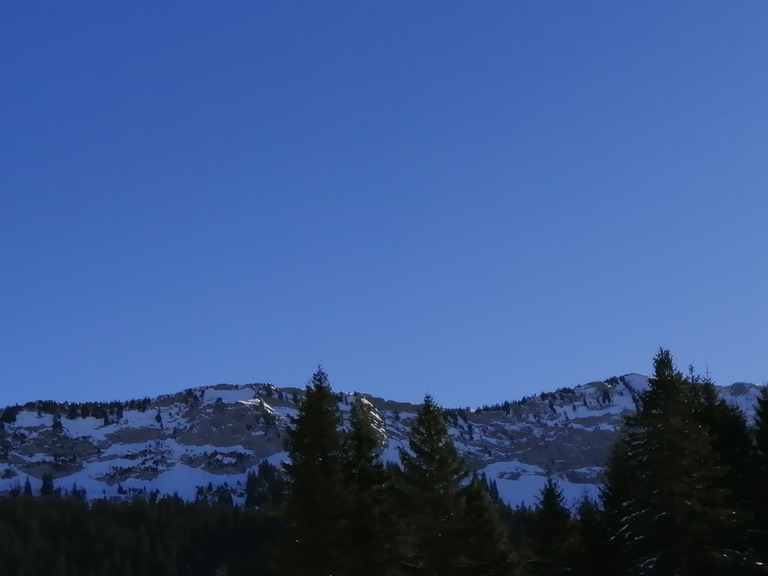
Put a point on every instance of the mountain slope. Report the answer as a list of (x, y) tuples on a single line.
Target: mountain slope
[(200, 440)]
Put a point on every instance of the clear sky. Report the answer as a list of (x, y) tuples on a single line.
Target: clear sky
[(477, 200)]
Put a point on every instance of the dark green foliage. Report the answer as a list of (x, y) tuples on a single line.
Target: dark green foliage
[(48, 407), (9, 414), (729, 434), (371, 535), (317, 499), (615, 496), (431, 490), (251, 490), (551, 532), (266, 487), (759, 482), (761, 431), (591, 554), (100, 410), (432, 464), (67, 537), (731, 442), (47, 487), (437, 504), (665, 493), (338, 517), (488, 549), (684, 494), (344, 517)]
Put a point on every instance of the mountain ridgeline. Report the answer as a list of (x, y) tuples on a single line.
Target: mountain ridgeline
[(207, 440), (631, 475)]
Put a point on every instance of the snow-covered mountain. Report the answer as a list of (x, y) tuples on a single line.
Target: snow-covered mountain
[(207, 437)]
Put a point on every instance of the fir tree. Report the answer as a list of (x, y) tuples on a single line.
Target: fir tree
[(671, 505), (432, 478), (759, 495), (251, 490), (27, 487), (732, 445), (47, 486), (488, 548), (315, 512), (551, 531), (591, 556), (615, 497), (437, 502), (9, 414), (265, 488), (371, 532)]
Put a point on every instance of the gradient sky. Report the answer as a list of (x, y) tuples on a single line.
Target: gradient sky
[(477, 200)]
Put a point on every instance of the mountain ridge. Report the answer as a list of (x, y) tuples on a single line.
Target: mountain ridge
[(205, 440)]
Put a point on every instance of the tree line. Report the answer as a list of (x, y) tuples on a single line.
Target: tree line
[(684, 494)]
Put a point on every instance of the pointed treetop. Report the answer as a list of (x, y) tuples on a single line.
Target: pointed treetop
[(319, 379), (664, 365)]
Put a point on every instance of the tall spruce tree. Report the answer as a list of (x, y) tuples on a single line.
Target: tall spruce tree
[(438, 504), (551, 532), (371, 531), (669, 496), (759, 482), (729, 433), (591, 554), (732, 444), (432, 478), (489, 549), (616, 494), (317, 500)]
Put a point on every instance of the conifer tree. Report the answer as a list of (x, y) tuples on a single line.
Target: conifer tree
[(669, 497), (615, 497), (437, 502), (9, 414), (728, 430), (732, 445), (591, 555), (432, 478), (251, 490), (489, 549), (760, 477), (315, 510), (371, 532), (551, 531), (46, 488), (266, 488)]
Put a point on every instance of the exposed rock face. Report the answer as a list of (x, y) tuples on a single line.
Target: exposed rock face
[(213, 436)]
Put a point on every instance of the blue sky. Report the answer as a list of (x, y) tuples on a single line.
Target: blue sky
[(480, 201)]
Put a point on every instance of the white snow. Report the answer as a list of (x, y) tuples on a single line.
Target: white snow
[(171, 466), (228, 396), (520, 484)]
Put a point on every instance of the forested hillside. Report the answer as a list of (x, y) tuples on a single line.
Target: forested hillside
[(683, 494)]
